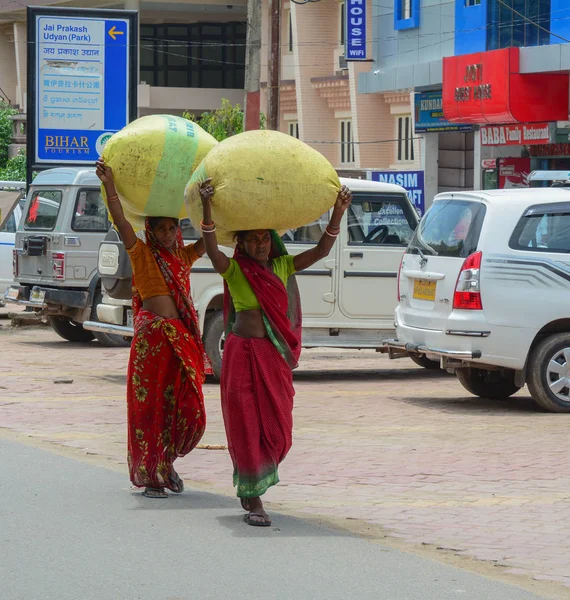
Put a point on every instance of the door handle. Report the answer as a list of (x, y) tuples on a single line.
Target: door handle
[(356, 255)]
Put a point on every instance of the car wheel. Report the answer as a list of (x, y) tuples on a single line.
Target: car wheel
[(548, 375), (69, 330), (214, 336), (488, 384), (109, 340), (423, 361)]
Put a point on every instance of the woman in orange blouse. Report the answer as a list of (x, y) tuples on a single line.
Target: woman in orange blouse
[(165, 404)]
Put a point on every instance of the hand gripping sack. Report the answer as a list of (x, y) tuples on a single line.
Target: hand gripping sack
[(152, 159), (263, 180)]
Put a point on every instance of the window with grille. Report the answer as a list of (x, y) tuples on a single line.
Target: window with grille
[(346, 142), (405, 139), (200, 55), (294, 129), (469, 3)]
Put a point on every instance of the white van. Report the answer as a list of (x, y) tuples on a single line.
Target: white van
[(348, 298)]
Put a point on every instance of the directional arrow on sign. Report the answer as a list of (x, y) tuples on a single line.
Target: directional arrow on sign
[(114, 33)]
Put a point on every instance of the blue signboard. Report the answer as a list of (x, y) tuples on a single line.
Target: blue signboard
[(82, 82), (355, 19), (411, 181), (429, 114)]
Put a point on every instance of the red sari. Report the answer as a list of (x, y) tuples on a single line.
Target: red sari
[(165, 404), (257, 381)]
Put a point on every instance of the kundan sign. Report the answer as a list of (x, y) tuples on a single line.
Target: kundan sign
[(517, 135), (487, 87)]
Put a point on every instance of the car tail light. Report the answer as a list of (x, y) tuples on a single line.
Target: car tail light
[(58, 265), (399, 271), (15, 263), (468, 290)]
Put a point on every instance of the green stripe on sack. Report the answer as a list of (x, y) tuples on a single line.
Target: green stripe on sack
[(179, 152)]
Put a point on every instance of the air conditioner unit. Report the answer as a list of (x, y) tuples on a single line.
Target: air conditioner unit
[(342, 64)]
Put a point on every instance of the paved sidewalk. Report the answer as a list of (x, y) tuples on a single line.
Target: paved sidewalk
[(402, 449)]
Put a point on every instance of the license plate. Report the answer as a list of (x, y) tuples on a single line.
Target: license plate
[(12, 293), (129, 318), (37, 296), (424, 290)]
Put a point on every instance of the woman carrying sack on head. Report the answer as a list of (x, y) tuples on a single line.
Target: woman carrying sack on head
[(165, 404), (263, 344)]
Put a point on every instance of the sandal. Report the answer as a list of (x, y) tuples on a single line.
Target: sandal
[(176, 483), (150, 492), (265, 523)]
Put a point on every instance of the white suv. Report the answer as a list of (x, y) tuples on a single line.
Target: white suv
[(484, 289)]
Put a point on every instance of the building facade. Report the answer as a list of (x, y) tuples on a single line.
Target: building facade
[(501, 112), (363, 135)]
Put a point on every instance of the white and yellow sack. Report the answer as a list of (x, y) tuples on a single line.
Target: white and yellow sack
[(263, 180), (152, 159)]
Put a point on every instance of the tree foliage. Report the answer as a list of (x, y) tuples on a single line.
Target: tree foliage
[(6, 111), (15, 169), (223, 122)]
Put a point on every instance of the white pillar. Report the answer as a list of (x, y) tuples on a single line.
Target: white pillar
[(20, 48), (479, 153), (135, 5), (430, 165)]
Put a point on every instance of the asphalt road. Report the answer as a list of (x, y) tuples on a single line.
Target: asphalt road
[(73, 531)]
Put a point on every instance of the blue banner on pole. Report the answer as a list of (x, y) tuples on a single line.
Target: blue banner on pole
[(429, 114), (355, 19), (411, 181), (82, 85)]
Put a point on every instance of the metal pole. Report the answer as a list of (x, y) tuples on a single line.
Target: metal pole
[(274, 65), (252, 65)]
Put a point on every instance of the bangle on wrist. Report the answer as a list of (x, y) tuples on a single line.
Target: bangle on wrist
[(114, 198), (207, 227)]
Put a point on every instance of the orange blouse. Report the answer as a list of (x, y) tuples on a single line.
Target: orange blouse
[(146, 272)]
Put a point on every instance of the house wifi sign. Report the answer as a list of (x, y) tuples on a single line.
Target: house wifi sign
[(355, 45)]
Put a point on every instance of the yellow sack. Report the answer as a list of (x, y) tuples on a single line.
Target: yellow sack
[(152, 159), (263, 180)]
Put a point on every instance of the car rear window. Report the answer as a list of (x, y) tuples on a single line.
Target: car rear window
[(43, 210), (10, 226), (90, 212), (449, 228), (543, 228)]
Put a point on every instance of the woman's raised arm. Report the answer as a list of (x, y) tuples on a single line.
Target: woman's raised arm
[(126, 230), (220, 261), (322, 249)]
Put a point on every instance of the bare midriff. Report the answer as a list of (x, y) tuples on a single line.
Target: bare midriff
[(163, 306), (249, 324)]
